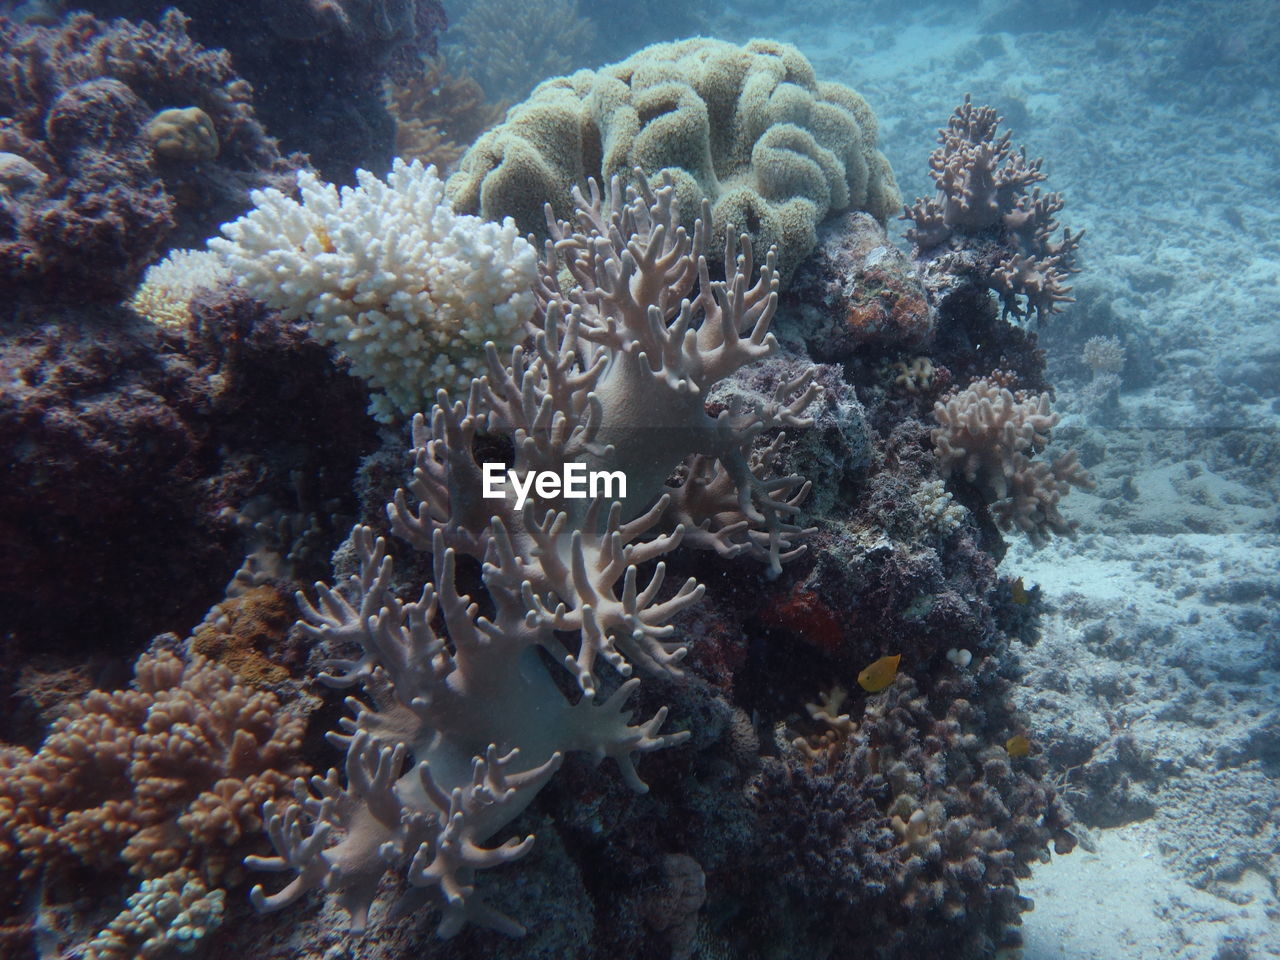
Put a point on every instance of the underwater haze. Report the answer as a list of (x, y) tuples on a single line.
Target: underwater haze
[(628, 481)]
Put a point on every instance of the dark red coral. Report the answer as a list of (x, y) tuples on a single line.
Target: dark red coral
[(77, 99)]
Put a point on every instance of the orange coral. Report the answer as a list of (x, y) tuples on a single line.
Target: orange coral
[(890, 311), (438, 115), (238, 631), (170, 773)]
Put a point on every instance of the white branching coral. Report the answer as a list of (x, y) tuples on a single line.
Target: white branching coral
[(167, 288), (616, 377), (988, 435), (405, 289)]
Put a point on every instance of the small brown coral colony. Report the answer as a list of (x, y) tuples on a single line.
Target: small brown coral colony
[(988, 435), (439, 114), (984, 210)]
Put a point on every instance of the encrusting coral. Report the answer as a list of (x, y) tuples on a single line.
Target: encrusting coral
[(751, 128), (120, 181), (987, 224), (988, 435), (408, 291), (482, 713)]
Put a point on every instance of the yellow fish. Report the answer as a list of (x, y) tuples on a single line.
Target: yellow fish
[(1018, 746), (1019, 592), (880, 674)]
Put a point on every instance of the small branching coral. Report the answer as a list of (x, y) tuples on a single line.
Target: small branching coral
[(986, 211), (466, 719), (988, 435), (164, 781)]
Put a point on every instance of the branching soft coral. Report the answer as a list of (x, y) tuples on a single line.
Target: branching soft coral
[(617, 378)]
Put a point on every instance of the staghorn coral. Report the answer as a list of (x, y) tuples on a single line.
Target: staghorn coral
[(164, 781), (988, 435), (409, 292), (439, 114), (987, 224), (750, 127), (80, 102), (466, 693)]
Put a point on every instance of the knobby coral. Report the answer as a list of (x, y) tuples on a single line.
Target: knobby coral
[(988, 435), (164, 781), (617, 378), (986, 210)]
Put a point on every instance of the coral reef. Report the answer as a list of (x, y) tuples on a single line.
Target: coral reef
[(90, 105), (439, 113), (332, 55), (633, 327), (986, 225), (911, 824), (131, 440), (988, 435), (859, 293), (751, 128), (164, 782), (409, 292)]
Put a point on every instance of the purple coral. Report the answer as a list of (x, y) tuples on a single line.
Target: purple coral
[(78, 99)]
